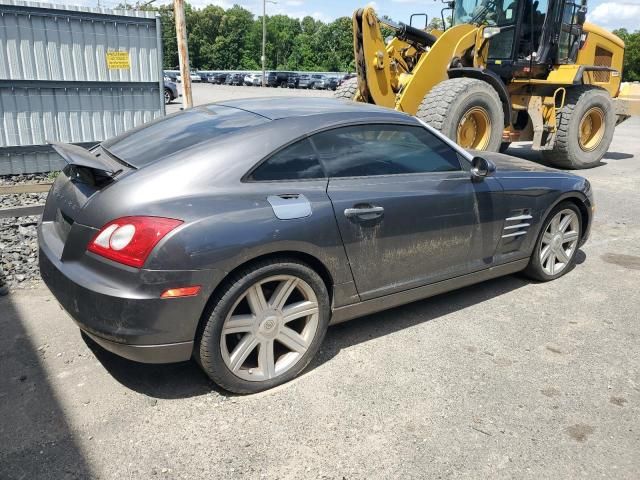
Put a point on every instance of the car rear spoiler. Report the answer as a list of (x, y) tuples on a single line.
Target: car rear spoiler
[(75, 155)]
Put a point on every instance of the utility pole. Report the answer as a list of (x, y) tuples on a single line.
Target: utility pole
[(264, 39), (183, 52)]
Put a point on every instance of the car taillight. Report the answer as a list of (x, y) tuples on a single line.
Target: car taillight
[(129, 240)]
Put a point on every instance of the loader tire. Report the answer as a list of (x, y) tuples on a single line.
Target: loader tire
[(347, 90), (585, 128), (466, 110)]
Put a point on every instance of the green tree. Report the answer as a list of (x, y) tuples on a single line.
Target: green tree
[(281, 33), (631, 66), (169, 44), (335, 46), (231, 39), (435, 24)]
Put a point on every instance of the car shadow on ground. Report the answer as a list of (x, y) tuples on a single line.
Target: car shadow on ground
[(389, 321), (167, 381), (186, 379), (36, 438)]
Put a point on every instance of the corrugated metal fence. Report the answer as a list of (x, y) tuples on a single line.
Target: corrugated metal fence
[(73, 74)]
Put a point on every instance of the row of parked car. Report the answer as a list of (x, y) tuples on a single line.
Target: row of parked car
[(317, 81)]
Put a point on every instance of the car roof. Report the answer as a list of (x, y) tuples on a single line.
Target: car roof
[(275, 108)]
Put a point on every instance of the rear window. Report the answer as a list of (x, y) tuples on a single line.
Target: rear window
[(159, 139), (295, 162)]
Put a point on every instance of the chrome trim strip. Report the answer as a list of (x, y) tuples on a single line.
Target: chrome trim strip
[(519, 225), (519, 217), (515, 234)]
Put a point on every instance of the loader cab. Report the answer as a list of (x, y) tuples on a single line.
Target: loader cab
[(526, 37)]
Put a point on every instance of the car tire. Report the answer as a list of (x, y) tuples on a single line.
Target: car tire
[(347, 89), (234, 359), (454, 102), (584, 103), (547, 244), (168, 97)]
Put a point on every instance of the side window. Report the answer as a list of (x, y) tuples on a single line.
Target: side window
[(366, 150), (295, 162)]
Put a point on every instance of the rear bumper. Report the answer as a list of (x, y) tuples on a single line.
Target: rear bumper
[(167, 353), (121, 308)]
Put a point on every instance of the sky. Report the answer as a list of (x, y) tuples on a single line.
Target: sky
[(605, 13)]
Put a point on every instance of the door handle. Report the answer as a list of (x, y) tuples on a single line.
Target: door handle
[(366, 213)]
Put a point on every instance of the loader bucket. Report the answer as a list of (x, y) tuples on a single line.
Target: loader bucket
[(627, 103)]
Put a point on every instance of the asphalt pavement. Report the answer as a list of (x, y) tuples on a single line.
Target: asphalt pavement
[(504, 379)]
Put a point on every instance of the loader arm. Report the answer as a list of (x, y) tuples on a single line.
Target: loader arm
[(433, 65), (400, 74), (373, 65)]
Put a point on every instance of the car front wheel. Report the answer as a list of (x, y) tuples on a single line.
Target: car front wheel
[(264, 327), (555, 250), (167, 96)]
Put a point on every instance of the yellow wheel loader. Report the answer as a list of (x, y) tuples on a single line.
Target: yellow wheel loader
[(503, 71)]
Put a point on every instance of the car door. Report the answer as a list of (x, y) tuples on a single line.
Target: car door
[(405, 207)]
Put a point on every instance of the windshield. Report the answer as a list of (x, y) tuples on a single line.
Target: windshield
[(485, 12)]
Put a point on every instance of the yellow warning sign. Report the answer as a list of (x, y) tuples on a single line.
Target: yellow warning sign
[(118, 61)]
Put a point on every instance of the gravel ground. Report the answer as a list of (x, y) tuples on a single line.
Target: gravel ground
[(18, 237), (504, 379)]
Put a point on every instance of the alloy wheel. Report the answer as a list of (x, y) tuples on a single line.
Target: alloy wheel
[(269, 328), (559, 242)]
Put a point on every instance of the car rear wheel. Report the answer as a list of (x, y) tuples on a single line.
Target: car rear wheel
[(167, 96), (555, 250), (265, 326)]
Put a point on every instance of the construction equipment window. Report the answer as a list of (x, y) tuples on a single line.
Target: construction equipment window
[(569, 34), (485, 12), (538, 16), (501, 46), (368, 150)]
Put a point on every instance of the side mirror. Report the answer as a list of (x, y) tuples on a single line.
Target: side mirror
[(481, 168), (581, 16), (426, 19)]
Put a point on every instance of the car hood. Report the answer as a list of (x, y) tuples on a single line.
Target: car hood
[(506, 163)]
